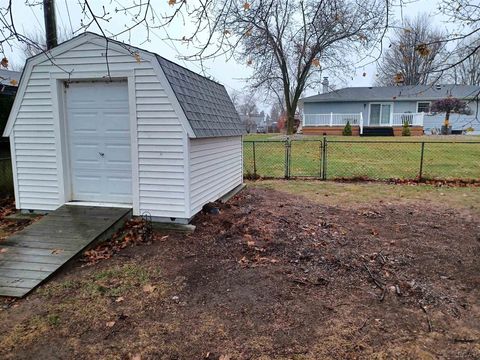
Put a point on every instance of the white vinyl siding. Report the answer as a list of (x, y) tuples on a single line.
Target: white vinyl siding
[(161, 165), (215, 169)]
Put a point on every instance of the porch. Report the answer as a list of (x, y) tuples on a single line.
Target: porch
[(333, 123)]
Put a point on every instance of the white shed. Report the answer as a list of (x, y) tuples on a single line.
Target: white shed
[(153, 135)]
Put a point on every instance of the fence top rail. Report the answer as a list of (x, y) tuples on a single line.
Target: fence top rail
[(357, 113), (401, 142), (363, 141), (266, 141)]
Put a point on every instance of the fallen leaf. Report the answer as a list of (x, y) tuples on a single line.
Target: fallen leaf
[(136, 357), (110, 324), (13, 82), (3, 250), (57, 251), (149, 288), (119, 299)]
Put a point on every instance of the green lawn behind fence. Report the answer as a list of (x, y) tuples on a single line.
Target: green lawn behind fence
[(376, 158)]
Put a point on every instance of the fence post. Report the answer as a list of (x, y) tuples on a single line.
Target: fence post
[(361, 123), (287, 158), (254, 162), (420, 174), (331, 119), (324, 158)]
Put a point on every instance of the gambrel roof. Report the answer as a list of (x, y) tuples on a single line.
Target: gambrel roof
[(204, 103)]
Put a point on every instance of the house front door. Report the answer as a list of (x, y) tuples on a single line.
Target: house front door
[(380, 114)]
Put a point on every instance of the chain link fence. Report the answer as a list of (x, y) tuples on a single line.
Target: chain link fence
[(369, 159)]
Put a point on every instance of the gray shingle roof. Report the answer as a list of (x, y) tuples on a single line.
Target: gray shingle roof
[(397, 93), (206, 103)]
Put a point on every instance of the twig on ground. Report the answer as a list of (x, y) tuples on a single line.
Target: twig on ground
[(383, 260), (430, 328), (377, 282), (363, 325), (464, 340), (397, 290)]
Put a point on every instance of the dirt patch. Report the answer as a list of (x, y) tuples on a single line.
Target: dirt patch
[(272, 276), (10, 226)]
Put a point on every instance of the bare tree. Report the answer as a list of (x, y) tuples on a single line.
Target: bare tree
[(248, 111), (28, 50), (285, 41), (408, 60), (465, 14), (467, 72), (282, 40)]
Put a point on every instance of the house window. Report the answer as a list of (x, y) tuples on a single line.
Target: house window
[(423, 107)]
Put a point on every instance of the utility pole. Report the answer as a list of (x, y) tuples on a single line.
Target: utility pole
[(50, 23)]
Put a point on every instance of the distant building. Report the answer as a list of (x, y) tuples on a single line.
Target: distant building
[(253, 122), (8, 88), (383, 110)]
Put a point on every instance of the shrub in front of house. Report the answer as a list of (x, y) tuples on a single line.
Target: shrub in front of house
[(406, 129), (347, 130)]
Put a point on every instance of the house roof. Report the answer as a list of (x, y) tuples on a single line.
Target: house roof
[(6, 76), (396, 93), (206, 103)]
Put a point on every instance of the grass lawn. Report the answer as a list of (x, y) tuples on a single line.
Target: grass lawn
[(360, 194), (376, 158), (286, 270)]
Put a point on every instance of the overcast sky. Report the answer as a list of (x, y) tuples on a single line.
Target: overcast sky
[(231, 74)]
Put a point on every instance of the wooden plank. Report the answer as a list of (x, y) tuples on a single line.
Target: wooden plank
[(23, 265), (41, 245), (39, 259), (70, 233), (11, 250), (40, 238), (25, 274), (18, 282), (14, 292)]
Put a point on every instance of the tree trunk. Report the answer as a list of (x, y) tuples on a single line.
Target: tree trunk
[(290, 123), (446, 124)]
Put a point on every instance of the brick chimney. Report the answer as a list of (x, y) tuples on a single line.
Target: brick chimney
[(325, 85)]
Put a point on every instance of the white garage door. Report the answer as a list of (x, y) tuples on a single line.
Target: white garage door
[(98, 132)]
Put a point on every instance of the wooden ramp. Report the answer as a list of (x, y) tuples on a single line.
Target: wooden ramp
[(30, 256)]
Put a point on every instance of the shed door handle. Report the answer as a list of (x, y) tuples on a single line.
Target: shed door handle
[(101, 154)]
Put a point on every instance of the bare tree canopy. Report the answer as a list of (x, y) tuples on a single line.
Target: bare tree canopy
[(467, 72), (283, 41), (465, 14), (286, 41), (409, 60)]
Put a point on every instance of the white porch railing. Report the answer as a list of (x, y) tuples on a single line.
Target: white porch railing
[(414, 119), (333, 120)]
